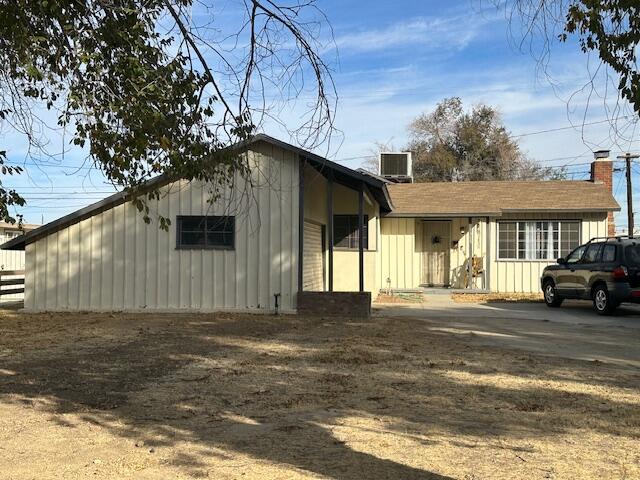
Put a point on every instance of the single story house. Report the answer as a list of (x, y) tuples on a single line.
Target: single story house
[(292, 230)]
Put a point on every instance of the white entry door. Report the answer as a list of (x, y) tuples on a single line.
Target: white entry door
[(436, 242), (312, 262)]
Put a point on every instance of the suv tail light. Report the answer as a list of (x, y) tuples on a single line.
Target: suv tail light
[(620, 272)]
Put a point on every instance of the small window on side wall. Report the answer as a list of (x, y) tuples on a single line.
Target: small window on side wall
[(205, 232), (345, 231)]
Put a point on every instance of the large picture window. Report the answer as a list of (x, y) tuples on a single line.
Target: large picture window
[(345, 231), (538, 240), (205, 232)]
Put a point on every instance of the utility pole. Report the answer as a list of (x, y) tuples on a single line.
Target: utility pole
[(628, 157)]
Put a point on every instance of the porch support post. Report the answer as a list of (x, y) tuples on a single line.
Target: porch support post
[(361, 236), (470, 250), (301, 165), (330, 226), (487, 259)]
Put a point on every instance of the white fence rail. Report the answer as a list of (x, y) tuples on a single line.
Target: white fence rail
[(11, 282)]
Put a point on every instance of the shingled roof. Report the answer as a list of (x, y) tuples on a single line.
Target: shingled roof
[(495, 198)]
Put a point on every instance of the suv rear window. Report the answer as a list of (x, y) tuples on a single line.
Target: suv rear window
[(632, 255)]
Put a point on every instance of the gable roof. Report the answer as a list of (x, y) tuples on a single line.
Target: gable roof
[(345, 175), (493, 198), (341, 173)]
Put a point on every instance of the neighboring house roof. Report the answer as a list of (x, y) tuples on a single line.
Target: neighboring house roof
[(341, 174), (15, 227), (493, 198)]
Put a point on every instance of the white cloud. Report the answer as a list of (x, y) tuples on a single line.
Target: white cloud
[(450, 33)]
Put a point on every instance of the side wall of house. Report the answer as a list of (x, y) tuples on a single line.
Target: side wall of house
[(345, 202), (114, 261), (401, 252)]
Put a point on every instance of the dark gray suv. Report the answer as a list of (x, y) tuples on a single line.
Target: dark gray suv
[(606, 271)]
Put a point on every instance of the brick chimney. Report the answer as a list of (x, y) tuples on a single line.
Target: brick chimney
[(602, 172)]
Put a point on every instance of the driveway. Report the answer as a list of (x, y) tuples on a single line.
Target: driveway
[(572, 331)]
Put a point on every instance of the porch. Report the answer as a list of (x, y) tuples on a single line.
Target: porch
[(339, 238), (452, 253)]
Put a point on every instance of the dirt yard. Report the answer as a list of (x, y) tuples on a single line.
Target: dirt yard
[(239, 396)]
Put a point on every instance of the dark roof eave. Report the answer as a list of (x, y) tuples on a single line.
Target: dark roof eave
[(564, 210), (320, 163), (19, 243), (442, 214)]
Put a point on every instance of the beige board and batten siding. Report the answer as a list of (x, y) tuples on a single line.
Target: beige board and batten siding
[(404, 246), (345, 202), (401, 259), (523, 276), (114, 261)]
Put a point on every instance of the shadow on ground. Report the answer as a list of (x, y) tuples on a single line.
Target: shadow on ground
[(281, 389)]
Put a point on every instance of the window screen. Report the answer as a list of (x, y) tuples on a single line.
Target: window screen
[(205, 231), (345, 231), (507, 240), (539, 240)]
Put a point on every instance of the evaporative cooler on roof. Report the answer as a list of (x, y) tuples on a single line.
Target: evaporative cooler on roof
[(396, 166)]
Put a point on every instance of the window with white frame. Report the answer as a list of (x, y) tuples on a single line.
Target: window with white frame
[(537, 240)]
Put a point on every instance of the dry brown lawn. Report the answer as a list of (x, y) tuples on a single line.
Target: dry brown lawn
[(496, 297), (400, 298), (240, 396)]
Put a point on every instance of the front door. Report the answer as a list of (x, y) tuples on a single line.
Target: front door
[(436, 241)]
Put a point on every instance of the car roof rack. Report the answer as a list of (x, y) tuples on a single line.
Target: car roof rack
[(616, 237)]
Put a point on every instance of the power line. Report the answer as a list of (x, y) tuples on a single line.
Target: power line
[(558, 129)]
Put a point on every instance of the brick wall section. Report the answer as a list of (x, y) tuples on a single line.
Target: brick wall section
[(344, 304), (602, 171)]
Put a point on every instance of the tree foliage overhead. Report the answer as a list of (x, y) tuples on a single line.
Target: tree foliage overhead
[(146, 88), (609, 28), (612, 28), (450, 144)]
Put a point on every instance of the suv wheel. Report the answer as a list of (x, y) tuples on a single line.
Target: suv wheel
[(602, 302), (551, 297)]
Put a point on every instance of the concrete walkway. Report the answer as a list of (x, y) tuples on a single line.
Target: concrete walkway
[(572, 331)]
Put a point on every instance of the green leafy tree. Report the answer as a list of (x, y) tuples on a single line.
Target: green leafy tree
[(450, 144), (146, 88), (608, 28)]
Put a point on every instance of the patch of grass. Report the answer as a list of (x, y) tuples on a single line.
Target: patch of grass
[(497, 297), (408, 297)]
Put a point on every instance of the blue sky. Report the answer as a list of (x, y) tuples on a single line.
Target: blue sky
[(393, 60)]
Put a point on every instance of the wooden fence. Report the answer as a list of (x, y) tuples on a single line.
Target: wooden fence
[(9, 278)]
